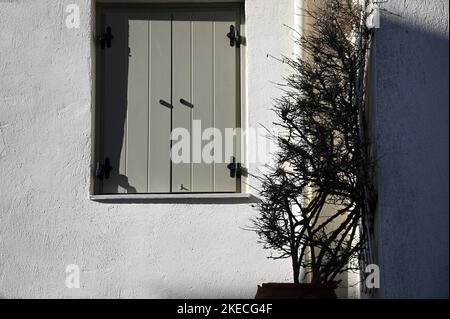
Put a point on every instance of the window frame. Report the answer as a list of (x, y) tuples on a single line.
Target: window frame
[(242, 193)]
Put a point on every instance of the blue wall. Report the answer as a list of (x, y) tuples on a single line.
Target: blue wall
[(410, 114)]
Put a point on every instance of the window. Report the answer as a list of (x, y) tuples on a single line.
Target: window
[(163, 70)]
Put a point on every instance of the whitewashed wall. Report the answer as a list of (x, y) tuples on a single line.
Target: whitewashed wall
[(123, 250)]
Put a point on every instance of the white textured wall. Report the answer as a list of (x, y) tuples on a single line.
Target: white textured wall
[(410, 118), (124, 250)]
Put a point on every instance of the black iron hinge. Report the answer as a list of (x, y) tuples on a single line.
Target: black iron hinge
[(234, 36), (102, 171), (105, 38), (235, 169)]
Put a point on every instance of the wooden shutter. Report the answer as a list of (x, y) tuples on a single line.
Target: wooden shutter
[(206, 74), (136, 127), (168, 56)]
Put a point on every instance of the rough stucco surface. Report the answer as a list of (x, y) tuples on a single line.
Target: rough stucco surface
[(124, 250), (411, 113)]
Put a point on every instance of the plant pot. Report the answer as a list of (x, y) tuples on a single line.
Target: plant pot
[(296, 291)]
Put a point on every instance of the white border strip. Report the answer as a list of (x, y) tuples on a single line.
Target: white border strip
[(170, 196)]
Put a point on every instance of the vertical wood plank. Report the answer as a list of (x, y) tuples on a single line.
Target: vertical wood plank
[(182, 88), (159, 115), (203, 90), (114, 97), (225, 94), (137, 114)]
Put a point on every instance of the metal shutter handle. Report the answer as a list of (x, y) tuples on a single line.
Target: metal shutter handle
[(184, 102), (166, 104)]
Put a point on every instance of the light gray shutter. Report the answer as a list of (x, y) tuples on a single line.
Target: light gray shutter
[(136, 127), (226, 95), (165, 57), (205, 74)]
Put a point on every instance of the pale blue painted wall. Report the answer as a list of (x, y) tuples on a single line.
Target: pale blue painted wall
[(411, 120)]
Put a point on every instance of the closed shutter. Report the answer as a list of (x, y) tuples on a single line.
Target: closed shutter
[(158, 59)]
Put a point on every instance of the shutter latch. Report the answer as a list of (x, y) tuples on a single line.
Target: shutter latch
[(235, 169), (103, 170), (106, 38), (234, 36)]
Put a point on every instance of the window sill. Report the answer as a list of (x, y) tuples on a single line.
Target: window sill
[(191, 198)]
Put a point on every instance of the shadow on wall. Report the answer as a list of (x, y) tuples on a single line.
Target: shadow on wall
[(114, 101), (410, 114)]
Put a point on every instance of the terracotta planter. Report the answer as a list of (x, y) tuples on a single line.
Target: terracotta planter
[(296, 291)]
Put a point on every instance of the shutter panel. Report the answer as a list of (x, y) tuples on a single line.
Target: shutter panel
[(205, 73), (136, 75), (226, 96), (115, 77), (193, 82)]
